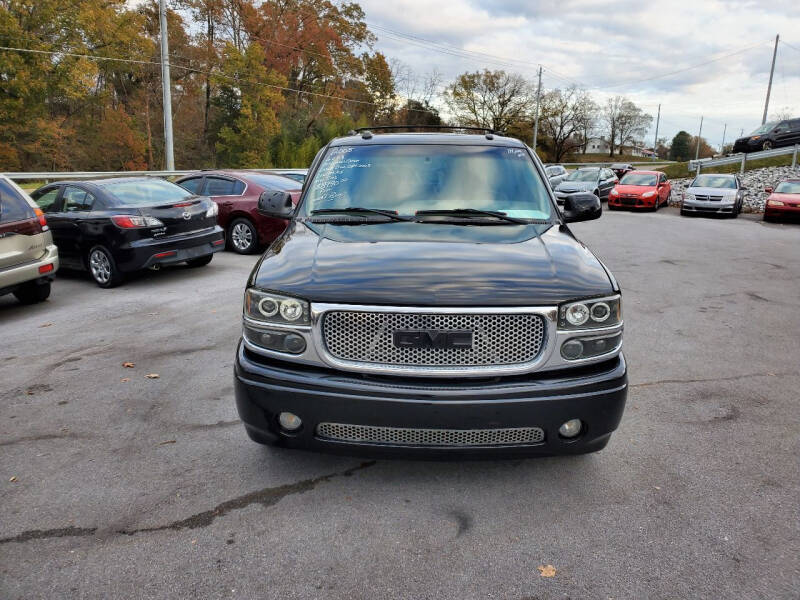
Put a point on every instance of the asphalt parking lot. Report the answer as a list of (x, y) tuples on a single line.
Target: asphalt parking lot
[(131, 487)]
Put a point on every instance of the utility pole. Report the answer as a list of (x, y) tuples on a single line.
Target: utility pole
[(697, 148), (536, 118), (724, 131), (655, 142), (165, 88), (769, 86)]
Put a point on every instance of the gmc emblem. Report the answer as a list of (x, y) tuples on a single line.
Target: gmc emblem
[(433, 338)]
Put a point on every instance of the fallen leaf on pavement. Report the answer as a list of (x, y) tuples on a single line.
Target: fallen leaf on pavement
[(125, 380), (165, 442), (152, 375), (547, 571), (13, 479), (46, 325), (128, 365)]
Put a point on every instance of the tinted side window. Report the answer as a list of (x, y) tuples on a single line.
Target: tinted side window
[(46, 199), (13, 207), (193, 185), (77, 200), (216, 186), (238, 187), (795, 124)]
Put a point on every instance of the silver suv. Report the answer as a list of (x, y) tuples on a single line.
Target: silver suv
[(28, 257), (714, 193)]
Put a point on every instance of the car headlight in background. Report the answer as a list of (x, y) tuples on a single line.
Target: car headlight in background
[(267, 307), (648, 194), (774, 203), (614, 192), (688, 196), (590, 314)]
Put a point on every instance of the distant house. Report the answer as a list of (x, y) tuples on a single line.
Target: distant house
[(594, 145)]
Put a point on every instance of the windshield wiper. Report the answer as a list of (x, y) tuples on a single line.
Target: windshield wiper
[(354, 209), (470, 212)]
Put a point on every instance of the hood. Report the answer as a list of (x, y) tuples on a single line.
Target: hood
[(576, 186), (711, 191), (634, 189), (429, 265)]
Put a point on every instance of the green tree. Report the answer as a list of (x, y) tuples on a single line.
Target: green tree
[(491, 99), (679, 150)]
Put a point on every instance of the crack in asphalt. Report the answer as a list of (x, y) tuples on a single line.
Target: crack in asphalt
[(41, 437), (712, 379), (265, 497)]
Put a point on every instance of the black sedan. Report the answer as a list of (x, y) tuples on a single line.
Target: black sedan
[(114, 226)]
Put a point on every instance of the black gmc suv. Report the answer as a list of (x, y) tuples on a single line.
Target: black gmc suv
[(427, 298)]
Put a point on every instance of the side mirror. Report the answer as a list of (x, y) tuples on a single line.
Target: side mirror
[(768, 189), (276, 204), (582, 206)]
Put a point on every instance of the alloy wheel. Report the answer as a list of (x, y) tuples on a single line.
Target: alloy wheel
[(242, 237), (100, 266)]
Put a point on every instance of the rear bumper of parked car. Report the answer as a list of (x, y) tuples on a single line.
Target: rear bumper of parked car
[(144, 253), (42, 269), (265, 387)]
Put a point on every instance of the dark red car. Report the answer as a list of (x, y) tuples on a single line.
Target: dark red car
[(622, 169), (641, 189), (236, 193), (783, 201)]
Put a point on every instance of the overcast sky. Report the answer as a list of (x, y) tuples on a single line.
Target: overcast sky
[(614, 48)]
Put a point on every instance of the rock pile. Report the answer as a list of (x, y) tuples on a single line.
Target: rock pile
[(755, 181)]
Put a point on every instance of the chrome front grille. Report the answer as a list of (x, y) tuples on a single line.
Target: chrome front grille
[(406, 436), (707, 198), (497, 339)]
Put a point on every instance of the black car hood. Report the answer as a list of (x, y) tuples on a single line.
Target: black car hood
[(433, 265)]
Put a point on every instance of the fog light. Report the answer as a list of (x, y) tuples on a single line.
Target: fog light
[(572, 349), (294, 343), (291, 422), (568, 430)]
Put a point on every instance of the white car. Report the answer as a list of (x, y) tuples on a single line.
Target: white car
[(714, 193)]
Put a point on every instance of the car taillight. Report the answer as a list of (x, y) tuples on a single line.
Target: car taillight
[(135, 221), (42, 220)]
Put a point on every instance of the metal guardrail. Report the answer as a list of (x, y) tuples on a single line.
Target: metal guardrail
[(47, 176), (649, 163), (698, 165)]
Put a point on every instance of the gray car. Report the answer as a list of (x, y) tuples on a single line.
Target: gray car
[(597, 180), (714, 193), (555, 174)]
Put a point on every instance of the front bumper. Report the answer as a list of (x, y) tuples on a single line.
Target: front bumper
[(12, 277), (621, 202), (787, 210), (594, 394), (746, 146), (724, 207), (147, 252)]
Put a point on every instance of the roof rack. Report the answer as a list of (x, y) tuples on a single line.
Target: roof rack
[(367, 131)]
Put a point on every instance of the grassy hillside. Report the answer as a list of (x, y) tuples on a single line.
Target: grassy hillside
[(678, 170)]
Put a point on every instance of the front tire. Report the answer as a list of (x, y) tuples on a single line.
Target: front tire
[(33, 292), (766, 146), (200, 262), (103, 268), (242, 236)]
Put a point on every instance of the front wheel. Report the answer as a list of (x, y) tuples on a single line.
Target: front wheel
[(33, 292), (242, 236), (200, 262), (103, 268), (766, 146)]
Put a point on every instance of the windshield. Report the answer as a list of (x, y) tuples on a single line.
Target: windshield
[(281, 183), (639, 179), (764, 128), (146, 192), (408, 178), (788, 187), (584, 175), (714, 181)]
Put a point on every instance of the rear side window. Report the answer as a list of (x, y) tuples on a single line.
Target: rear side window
[(217, 186), (13, 207), (47, 200), (794, 124), (145, 192), (77, 200), (193, 185)]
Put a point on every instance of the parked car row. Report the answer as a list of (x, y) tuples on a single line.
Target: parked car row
[(112, 227)]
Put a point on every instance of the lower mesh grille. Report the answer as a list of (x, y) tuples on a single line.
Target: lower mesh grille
[(369, 434)]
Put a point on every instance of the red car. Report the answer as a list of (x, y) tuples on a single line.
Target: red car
[(783, 201), (236, 193), (641, 189)]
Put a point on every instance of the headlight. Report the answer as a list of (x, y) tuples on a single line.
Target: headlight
[(648, 194), (275, 308), (688, 196), (775, 203), (754, 138), (213, 210), (590, 313), (614, 192)]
